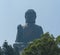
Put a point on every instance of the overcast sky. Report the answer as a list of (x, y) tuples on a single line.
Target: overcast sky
[(12, 14)]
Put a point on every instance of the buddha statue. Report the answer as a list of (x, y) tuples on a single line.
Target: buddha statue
[(30, 30)]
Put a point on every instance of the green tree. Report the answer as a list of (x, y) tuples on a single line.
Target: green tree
[(58, 40), (58, 43), (7, 49), (1, 51), (46, 45)]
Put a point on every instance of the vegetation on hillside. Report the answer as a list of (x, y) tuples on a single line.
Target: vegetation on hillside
[(46, 45)]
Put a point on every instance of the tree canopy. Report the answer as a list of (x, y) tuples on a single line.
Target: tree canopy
[(46, 45)]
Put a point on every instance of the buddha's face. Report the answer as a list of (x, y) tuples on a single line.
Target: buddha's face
[(30, 16)]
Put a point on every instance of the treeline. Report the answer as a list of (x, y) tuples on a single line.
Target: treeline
[(7, 49), (46, 45)]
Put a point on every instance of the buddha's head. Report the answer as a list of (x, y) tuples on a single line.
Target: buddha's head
[(30, 16)]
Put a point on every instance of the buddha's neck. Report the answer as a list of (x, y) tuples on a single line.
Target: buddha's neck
[(30, 24)]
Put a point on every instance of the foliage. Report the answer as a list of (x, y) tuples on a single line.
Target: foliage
[(46, 45), (0, 51), (7, 49), (58, 40)]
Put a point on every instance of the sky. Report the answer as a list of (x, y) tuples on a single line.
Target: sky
[(12, 14)]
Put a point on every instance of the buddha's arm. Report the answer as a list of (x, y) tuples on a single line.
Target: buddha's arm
[(19, 33), (41, 30)]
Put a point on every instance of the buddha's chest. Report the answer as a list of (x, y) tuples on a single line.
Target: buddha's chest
[(30, 31)]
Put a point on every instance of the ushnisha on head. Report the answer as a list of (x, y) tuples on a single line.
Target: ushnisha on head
[(30, 16)]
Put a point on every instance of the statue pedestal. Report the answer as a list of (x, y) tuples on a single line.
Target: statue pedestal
[(19, 46)]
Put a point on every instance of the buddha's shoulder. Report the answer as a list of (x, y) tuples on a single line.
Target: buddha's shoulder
[(19, 26), (26, 26), (38, 27)]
